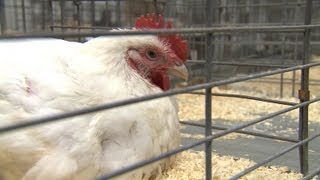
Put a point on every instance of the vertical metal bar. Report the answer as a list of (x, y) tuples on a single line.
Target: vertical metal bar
[(50, 9), (43, 14), (93, 12), (31, 11), (296, 15), (2, 17), (221, 37), (62, 14), (23, 8), (155, 3), (235, 38), (295, 57), (118, 14), (283, 38), (208, 96), (304, 94), (281, 85), (129, 9), (293, 82), (218, 42), (78, 16), (14, 17), (107, 9)]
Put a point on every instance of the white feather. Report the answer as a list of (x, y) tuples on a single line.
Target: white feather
[(39, 77)]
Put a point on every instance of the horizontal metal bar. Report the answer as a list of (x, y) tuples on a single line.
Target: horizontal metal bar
[(260, 119), (256, 98), (202, 141), (90, 0), (269, 159), (312, 174), (154, 159), (236, 63), (218, 78), (285, 81), (277, 29), (251, 64), (60, 116), (187, 4), (249, 97), (239, 4), (243, 132), (259, 5), (258, 42), (274, 79), (196, 61), (271, 80), (83, 27)]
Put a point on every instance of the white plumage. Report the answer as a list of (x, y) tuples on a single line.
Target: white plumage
[(40, 77)]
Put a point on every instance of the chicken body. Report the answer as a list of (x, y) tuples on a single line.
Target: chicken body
[(48, 76)]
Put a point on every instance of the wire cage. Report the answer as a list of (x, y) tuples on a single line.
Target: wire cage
[(230, 41)]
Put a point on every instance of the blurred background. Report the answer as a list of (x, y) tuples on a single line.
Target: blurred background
[(234, 53)]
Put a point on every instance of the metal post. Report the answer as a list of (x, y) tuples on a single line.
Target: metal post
[(155, 6), (293, 82), (78, 16), (43, 14), (62, 14), (119, 14), (208, 96), (24, 25), (304, 94), (51, 19), (2, 17), (93, 12), (283, 42)]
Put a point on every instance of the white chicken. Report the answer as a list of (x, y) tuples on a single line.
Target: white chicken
[(40, 77)]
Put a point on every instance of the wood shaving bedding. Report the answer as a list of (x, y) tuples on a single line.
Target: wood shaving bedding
[(273, 89), (235, 109), (191, 107), (190, 165), (231, 136)]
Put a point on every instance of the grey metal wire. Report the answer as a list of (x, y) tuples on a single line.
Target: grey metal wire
[(248, 97), (237, 63), (242, 132), (208, 91), (245, 29), (312, 174), (204, 140), (265, 161), (303, 131), (61, 116)]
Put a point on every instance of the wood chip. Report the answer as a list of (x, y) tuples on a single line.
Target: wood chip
[(191, 165), (191, 107)]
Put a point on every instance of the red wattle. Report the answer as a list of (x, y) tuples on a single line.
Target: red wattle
[(161, 80)]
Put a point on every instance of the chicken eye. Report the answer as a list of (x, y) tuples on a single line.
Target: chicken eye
[(151, 55)]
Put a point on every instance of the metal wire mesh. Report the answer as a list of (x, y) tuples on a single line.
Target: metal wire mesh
[(230, 36)]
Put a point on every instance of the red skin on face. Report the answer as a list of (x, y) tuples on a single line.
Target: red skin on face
[(154, 69), (157, 69)]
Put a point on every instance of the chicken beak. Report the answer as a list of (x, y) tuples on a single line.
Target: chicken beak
[(179, 71)]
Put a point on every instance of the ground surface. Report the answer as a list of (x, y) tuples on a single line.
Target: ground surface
[(233, 111), (258, 148)]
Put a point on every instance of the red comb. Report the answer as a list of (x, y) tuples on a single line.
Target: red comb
[(177, 44)]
